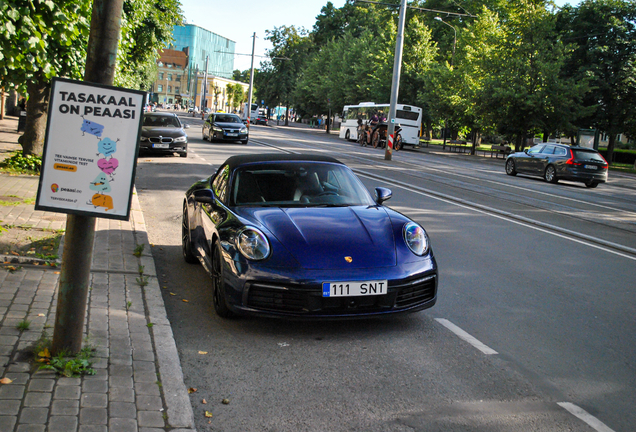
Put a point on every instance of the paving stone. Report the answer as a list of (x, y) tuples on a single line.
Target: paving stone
[(18, 378), (63, 424), (120, 381), (19, 367), (150, 419), (123, 410), (95, 386), (146, 377), (121, 394), (120, 370), (69, 381), (94, 400), (10, 408), (92, 428), (41, 385), (150, 389), (7, 422), (65, 407), (122, 425), (34, 415), (11, 391), (37, 399), (67, 392), (93, 416), (149, 403), (31, 428)]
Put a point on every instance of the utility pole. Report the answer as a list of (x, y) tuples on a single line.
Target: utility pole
[(80, 230), (249, 100), (204, 91), (395, 86)]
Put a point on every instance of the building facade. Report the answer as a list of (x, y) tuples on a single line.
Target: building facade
[(171, 85), (216, 95), (204, 47)]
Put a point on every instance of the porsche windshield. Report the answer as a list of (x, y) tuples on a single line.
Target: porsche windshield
[(297, 184)]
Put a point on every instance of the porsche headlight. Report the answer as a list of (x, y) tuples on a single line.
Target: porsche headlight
[(253, 244), (415, 238)]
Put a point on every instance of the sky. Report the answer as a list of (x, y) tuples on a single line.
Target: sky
[(237, 20)]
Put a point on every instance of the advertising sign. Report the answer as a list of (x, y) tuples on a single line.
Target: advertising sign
[(90, 149)]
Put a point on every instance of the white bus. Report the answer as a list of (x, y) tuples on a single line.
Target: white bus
[(253, 112), (407, 116)]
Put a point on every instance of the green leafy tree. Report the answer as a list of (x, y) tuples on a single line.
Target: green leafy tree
[(604, 35), (40, 40)]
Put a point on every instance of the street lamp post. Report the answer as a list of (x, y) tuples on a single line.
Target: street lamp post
[(452, 61)]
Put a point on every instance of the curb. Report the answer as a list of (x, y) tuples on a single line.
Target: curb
[(179, 407)]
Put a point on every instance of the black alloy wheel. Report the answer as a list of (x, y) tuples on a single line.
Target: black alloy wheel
[(186, 243), (591, 184), (550, 174), (510, 167), (218, 284)]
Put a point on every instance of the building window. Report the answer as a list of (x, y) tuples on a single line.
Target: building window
[(178, 78), (159, 88), (169, 77), (169, 89), (160, 75), (176, 90)]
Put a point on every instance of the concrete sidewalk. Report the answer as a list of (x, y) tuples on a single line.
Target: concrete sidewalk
[(138, 384)]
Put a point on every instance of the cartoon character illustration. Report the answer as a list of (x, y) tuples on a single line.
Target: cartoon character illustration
[(108, 166), (100, 184), (100, 200), (107, 147), (91, 128)]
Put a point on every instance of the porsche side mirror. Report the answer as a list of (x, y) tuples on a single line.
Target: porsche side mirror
[(382, 194), (205, 196)]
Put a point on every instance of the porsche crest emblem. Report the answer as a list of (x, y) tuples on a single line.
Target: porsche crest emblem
[(348, 259)]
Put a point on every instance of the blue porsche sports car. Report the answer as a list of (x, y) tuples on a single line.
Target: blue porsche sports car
[(300, 236)]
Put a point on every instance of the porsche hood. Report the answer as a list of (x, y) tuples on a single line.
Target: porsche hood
[(331, 238)]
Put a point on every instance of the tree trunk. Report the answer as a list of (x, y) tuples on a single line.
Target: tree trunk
[(37, 111), (610, 147), (429, 130), (286, 114)]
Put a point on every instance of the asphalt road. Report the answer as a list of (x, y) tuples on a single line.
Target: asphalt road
[(541, 275)]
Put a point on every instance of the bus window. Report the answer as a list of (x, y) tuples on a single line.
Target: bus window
[(407, 115)]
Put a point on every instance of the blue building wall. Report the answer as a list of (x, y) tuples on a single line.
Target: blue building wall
[(202, 43)]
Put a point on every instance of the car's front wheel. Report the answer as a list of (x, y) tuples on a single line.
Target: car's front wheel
[(244, 142), (591, 184), (218, 284), (347, 135), (510, 167), (186, 242), (550, 174)]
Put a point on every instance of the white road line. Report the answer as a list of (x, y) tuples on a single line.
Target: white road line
[(465, 336), (588, 418)]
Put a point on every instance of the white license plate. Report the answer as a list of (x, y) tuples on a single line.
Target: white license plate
[(232, 134), (350, 289), (161, 146), (592, 167)]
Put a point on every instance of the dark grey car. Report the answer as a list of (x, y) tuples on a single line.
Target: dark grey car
[(163, 132), (225, 127), (556, 162)]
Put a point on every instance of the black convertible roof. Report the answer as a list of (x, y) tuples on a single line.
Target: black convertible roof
[(238, 160)]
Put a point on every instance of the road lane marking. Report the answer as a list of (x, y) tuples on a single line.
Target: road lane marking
[(466, 337), (594, 242), (588, 418)]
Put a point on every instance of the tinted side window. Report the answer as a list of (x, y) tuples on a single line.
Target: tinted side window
[(219, 184), (548, 149), (536, 149), (560, 151)]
